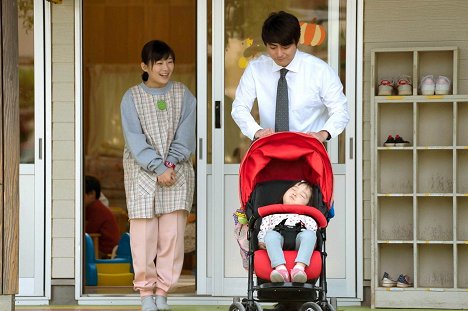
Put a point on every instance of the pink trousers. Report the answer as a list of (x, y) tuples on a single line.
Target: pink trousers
[(157, 251)]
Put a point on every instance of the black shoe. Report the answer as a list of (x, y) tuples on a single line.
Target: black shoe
[(400, 142), (390, 142)]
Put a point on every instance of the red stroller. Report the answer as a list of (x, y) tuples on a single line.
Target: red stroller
[(272, 165)]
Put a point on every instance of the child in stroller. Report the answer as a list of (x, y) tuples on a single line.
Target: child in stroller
[(270, 235), (272, 165)]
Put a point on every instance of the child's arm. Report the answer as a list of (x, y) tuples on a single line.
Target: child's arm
[(143, 153), (183, 144)]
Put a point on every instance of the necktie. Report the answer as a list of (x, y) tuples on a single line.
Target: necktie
[(282, 109)]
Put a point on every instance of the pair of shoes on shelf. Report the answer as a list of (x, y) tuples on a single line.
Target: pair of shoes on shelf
[(402, 282), (396, 141), (403, 86), (431, 86)]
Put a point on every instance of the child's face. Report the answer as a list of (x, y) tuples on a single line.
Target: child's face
[(298, 194), (159, 73)]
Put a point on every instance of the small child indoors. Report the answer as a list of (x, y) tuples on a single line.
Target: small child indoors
[(271, 240)]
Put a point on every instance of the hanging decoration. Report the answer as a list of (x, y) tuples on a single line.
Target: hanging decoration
[(312, 33)]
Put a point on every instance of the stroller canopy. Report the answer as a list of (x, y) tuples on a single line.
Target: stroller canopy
[(286, 156)]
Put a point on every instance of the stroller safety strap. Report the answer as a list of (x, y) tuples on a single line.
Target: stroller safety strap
[(289, 234)]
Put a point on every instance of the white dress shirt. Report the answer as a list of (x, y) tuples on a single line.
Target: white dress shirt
[(315, 93)]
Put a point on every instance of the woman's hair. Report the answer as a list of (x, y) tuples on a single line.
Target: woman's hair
[(154, 51), (282, 28)]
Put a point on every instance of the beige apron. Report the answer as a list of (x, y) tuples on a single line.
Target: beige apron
[(145, 198)]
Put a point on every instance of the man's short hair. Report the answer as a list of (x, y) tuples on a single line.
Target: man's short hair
[(282, 28), (92, 184)]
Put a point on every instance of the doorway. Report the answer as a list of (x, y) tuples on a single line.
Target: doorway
[(32, 231), (113, 33), (234, 38)]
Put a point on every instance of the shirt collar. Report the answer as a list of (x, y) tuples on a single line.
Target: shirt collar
[(293, 66)]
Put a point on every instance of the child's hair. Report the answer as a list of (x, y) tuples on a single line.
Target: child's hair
[(153, 51), (281, 27), (92, 184)]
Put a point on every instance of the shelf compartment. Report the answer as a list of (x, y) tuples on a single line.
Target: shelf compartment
[(395, 218), (395, 259), (396, 171), (462, 125), (390, 66), (435, 219), (395, 118), (462, 219), (434, 171), (430, 114), (462, 171), (435, 63), (462, 275), (435, 266)]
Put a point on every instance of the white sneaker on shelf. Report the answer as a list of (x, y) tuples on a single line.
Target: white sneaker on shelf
[(385, 87), (427, 85), (404, 85), (442, 85)]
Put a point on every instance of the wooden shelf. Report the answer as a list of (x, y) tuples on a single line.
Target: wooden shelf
[(420, 192)]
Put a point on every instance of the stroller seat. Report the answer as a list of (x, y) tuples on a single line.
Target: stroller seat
[(262, 264)]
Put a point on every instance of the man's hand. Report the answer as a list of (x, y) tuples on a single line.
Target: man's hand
[(168, 178), (321, 136), (261, 245), (263, 133)]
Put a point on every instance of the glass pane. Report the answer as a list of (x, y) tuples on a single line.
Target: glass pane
[(114, 33), (243, 23), (26, 79)]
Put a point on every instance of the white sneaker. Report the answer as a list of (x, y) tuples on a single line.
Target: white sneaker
[(385, 88), (404, 85), (427, 85), (442, 85)]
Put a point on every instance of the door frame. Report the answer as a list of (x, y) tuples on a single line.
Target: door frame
[(43, 133), (353, 139)]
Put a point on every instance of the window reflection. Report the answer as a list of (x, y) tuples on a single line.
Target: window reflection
[(243, 23), (26, 79)]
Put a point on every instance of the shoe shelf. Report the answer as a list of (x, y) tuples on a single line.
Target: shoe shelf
[(419, 188)]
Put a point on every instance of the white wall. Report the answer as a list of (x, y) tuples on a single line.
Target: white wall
[(63, 140)]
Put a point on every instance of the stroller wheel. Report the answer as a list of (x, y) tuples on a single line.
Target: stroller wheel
[(236, 306), (310, 306), (329, 307)]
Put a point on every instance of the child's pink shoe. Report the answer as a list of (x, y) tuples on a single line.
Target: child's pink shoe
[(280, 275), (298, 275)]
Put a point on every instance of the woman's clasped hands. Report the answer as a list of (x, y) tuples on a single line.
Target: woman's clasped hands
[(167, 179)]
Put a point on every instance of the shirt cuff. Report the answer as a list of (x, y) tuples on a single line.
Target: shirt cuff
[(172, 159)]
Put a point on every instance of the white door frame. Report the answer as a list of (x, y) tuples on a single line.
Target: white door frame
[(37, 290), (216, 217)]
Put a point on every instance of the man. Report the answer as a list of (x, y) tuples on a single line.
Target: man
[(99, 218), (315, 103)]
